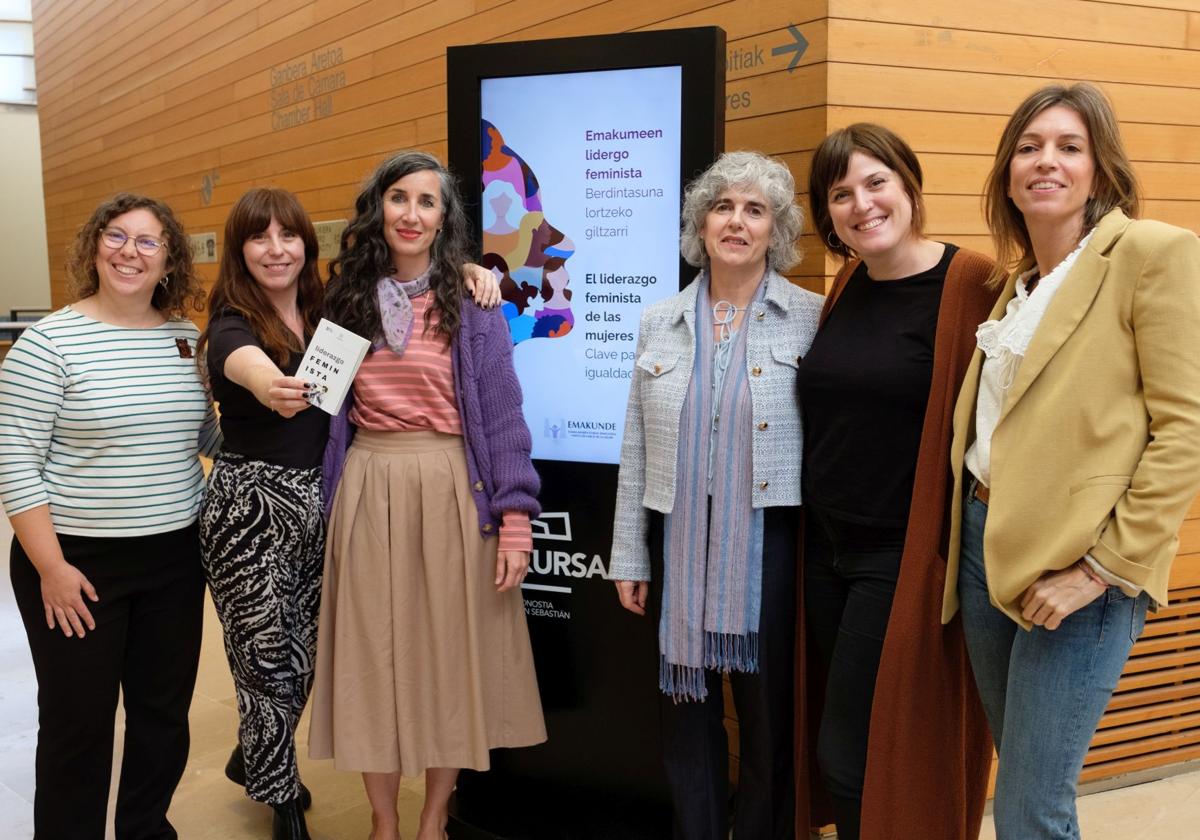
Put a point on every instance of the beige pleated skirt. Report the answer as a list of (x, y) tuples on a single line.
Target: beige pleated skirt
[(420, 662)]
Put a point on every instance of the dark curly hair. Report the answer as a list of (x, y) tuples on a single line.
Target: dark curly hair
[(182, 291), (236, 290), (365, 257)]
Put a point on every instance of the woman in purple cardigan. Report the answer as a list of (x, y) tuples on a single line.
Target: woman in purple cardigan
[(423, 656)]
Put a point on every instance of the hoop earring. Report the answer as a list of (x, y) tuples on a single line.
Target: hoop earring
[(832, 241)]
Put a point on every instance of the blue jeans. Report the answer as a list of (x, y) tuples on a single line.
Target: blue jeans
[(1043, 691)]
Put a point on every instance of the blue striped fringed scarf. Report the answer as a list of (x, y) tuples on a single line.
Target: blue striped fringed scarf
[(712, 576)]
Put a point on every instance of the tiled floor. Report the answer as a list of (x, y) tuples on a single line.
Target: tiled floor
[(208, 807)]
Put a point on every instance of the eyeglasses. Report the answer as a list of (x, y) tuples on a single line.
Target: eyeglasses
[(146, 245)]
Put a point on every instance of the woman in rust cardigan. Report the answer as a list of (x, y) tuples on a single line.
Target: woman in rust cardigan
[(886, 706)]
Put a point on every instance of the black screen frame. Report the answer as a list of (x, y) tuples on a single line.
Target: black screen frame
[(597, 671), (698, 51)]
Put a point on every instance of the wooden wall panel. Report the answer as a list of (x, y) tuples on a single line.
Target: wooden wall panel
[(1184, 5), (1155, 24), (195, 99), (946, 73), (1026, 55), (949, 90)]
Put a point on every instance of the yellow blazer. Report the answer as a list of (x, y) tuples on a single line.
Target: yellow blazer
[(1098, 444)]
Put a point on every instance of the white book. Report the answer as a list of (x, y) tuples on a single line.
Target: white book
[(329, 364)]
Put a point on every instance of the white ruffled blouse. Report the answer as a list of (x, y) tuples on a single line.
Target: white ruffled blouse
[(1004, 344)]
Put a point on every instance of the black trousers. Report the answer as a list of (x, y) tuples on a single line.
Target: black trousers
[(850, 573), (147, 645), (694, 744)]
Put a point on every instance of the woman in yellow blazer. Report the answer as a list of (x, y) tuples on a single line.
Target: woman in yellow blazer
[(1076, 446)]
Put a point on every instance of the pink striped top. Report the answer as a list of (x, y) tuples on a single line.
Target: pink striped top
[(416, 392), (410, 392)]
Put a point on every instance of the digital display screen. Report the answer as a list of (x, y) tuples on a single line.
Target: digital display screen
[(580, 217)]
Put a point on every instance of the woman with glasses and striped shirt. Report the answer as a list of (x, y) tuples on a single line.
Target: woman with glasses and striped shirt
[(103, 417)]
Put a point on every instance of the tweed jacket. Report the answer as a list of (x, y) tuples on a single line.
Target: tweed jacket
[(780, 329), (1097, 449)]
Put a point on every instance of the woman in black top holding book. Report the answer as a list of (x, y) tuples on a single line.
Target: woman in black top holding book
[(261, 529)]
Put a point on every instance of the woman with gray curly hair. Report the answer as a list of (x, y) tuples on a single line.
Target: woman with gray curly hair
[(708, 493)]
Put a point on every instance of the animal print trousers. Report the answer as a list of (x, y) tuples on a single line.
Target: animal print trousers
[(262, 536)]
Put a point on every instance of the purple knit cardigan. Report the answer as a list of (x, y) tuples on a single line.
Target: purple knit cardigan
[(494, 431)]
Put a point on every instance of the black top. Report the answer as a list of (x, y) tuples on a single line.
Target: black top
[(863, 389), (249, 427)]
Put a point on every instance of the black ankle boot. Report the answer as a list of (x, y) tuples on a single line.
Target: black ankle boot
[(235, 771), (289, 822), (235, 767)]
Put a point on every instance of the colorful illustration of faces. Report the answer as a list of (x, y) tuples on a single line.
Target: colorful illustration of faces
[(526, 252)]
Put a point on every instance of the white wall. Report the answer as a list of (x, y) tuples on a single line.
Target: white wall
[(24, 262)]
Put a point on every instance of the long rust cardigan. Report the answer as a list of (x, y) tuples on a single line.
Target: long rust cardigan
[(930, 750)]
